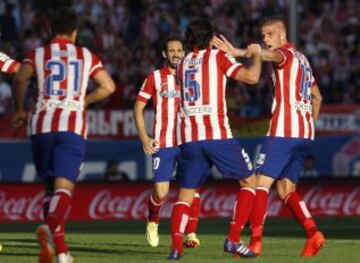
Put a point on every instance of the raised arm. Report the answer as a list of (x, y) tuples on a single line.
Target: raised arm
[(251, 74), (266, 55)]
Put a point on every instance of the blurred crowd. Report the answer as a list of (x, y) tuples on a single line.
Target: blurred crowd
[(128, 36)]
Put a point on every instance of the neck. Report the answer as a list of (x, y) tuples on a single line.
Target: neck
[(172, 70), (67, 37)]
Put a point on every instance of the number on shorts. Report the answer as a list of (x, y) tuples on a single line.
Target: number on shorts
[(247, 159), (156, 163)]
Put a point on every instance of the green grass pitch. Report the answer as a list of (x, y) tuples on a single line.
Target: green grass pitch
[(124, 241)]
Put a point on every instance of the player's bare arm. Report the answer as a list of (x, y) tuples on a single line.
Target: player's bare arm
[(316, 100), (224, 45), (149, 144), (105, 87), (19, 89), (274, 56), (251, 74)]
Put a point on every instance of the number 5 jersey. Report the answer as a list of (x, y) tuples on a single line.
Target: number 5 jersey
[(202, 76)]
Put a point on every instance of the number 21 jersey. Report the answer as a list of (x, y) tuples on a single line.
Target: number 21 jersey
[(63, 70)]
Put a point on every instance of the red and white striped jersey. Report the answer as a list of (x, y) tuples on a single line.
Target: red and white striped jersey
[(202, 76), (7, 65), (292, 109), (160, 85), (63, 70)]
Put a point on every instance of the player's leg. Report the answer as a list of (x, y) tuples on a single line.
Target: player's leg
[(274, 157), (67, 159), (42, 150), (156, 200), (286, 188), (258, 213), (191, 239), (192, 171), (164, 162), (232, 161)]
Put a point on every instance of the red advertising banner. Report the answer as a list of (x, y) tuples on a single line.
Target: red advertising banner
[(23, 202)]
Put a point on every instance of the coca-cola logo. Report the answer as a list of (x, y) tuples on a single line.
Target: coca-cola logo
[(333, 203), (109, 205), (21, 208)]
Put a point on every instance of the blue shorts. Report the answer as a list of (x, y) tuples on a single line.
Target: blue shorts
[(58, 154), (196, 159), (282, 157), (164, 163)]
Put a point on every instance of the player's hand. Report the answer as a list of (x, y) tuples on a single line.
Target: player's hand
[(224, 45), (254, 50), (20, 119), (150, 145)]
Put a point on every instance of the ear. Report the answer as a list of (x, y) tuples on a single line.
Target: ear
[(74, 36), (163, 54)]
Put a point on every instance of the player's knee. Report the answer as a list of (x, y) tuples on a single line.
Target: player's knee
[(159, 196), (284, 191), (250, 181)]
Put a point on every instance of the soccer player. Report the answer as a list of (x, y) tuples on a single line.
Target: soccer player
[(58, 124), (161, 86), (295, 110), (205, 133)]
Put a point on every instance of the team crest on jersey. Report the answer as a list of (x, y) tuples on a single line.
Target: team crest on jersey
[(164, 92)]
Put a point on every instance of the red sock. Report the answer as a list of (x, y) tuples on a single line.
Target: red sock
[(179, 219), (46, 204), (194, 215), (59, 207), (59, 239), (298, 208), (258, 213), (241, 213), (154, 210)]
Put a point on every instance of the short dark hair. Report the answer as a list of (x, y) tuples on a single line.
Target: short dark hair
[(64, 21), (268, 20), (198, 34), (170, 39)]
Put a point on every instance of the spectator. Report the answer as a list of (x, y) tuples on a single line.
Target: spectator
[(113, 172), (309, 169)]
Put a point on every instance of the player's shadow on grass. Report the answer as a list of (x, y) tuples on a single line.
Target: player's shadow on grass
[(118, 251)]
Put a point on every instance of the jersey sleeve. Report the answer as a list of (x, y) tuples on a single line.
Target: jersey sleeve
[(228, 64), (287, 55), (147, 89), (96, 65), (7, 65)]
